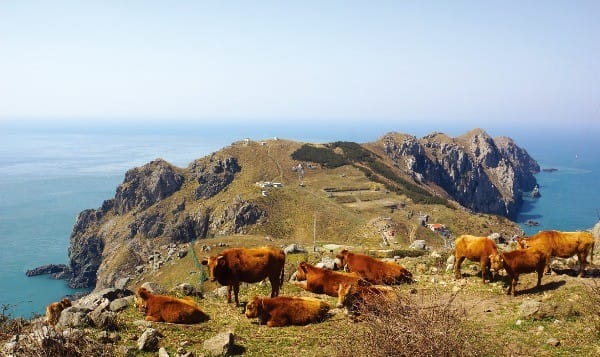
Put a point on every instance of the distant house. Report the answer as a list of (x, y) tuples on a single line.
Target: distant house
[(277, 184)]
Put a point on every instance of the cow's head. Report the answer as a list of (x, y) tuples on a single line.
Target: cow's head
[(65, 303), (254, 307), (215, 266), (521, 242), (140, 299), (302, 268), (341, 260), (344, 290), (496, 263)]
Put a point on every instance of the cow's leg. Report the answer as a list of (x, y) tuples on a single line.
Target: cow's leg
[(228, 293), (548, 270), (483, 264), (274, 285), (513, 285), (236, 292), (277, 321), (153, 319), (457, 263), (540, 273), (582, 262)]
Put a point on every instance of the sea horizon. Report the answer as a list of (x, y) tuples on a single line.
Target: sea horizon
[(49, 172)]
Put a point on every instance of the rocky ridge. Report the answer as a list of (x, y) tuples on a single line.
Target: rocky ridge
[(159, 204), (483, 174)]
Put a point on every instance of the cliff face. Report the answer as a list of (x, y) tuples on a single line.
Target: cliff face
[(483, 174), (145, 214)]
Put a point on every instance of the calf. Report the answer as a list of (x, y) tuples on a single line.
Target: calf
[(561, 244), (249, 265), (372, 270), (323, 281), (474, 248), (54, 310), (518, 262), (161, 308), (287, 310), (360, 298)]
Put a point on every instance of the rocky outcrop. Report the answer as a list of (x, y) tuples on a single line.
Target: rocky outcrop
[(480, 173), (238, 216), (57, 271), (213, 175), (147, 185)]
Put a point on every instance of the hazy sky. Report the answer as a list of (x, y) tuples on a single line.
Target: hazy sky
[(453, 61)]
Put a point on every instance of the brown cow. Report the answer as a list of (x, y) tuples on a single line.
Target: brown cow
[(162, 308), (287, 310), (54, 309), (475, 249), (355, 298), (562, 245), (518, 262), (323, 281), (372, 270), (249, 265)]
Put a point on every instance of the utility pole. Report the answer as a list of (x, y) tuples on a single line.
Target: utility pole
[(315, 233)]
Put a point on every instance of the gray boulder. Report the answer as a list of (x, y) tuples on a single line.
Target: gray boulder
[(149, 340), (74, 317), (220, 345)]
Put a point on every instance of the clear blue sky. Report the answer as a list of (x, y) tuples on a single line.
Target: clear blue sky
[(448, 61)]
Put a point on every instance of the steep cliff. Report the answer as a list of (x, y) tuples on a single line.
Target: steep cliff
[(151, 208), (483, 174)]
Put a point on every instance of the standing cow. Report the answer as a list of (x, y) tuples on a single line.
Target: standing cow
[(518, 262), (562, 245), (372, 270), (476, 249), (248, 265)]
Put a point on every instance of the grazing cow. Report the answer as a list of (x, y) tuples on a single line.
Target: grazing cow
[(287, 310), (355, 298), (54, 309), (323, 281), (518, 262), (161, 308), (562, 245), (248, 265), (475, 249), (372, 270)]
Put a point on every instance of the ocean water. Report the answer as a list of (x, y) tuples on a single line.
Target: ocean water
[(50, 171)]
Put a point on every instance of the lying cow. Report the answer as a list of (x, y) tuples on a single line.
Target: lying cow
[(562, 245), (356, 299), (248, 265), (54, 310), (372, 270), (162, 308), (476, 249), (323, 281), (518, 262), (287, 310)]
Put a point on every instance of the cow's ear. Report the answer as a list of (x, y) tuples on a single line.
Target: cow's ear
[(221, 260), (204, 261), (302, 266)]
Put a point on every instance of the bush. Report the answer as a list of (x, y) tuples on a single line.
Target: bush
[(406, 328)]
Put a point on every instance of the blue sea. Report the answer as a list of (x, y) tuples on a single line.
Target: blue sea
[(51, 170)]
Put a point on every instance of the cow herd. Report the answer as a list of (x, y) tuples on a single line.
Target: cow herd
[(357, 280)]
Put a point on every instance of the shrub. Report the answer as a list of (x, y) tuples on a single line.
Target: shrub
[(406, 328), (321, 155)]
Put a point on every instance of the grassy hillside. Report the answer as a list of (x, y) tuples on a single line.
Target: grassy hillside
[(356, 202)]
